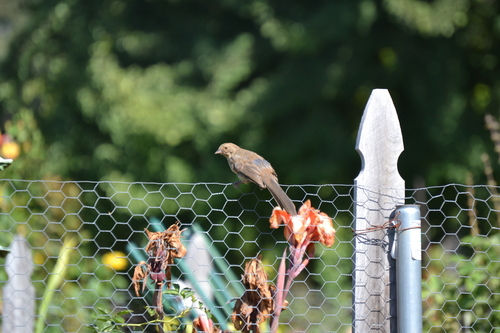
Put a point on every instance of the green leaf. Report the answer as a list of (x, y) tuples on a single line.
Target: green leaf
[(108, 328), (173, 292), (92, 328), (103, 310), (103, 318), (151, 311), (124, 312), (186, 293)]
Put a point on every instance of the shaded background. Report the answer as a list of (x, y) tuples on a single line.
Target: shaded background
[(147, 90)]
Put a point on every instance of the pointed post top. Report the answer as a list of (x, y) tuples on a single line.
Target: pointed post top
[(379, 189), (379, 142)]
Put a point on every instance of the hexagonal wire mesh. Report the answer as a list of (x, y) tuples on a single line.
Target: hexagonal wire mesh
[(85, 238)]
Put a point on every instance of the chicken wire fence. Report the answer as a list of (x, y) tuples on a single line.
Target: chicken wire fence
[(85, 238)]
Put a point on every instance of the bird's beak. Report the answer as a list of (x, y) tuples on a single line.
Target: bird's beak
[(218, 151)]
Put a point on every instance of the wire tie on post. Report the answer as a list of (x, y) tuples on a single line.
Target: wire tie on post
[(392, 223)]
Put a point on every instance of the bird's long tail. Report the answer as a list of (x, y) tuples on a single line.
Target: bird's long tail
[(281, 198)]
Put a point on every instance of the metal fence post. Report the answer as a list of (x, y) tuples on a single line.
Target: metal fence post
[(409, 269)]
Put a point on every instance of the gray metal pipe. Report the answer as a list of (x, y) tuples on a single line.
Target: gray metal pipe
[(409, 269)]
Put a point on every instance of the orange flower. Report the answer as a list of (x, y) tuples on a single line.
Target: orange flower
[(204, 324), (308, 225)]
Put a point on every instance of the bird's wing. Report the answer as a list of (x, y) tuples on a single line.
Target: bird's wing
[(251, 168)]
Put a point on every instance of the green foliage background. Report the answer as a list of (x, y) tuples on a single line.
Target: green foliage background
[(147, 90)]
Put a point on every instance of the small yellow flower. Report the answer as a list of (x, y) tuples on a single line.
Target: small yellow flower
[(116, 260), (10, 150), (38, 258)]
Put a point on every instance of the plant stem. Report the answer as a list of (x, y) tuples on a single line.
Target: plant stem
[(280, 288)]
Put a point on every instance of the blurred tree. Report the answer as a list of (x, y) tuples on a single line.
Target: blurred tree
[(147, 90)]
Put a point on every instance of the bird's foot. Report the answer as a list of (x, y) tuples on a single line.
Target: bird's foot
[(237, 184)]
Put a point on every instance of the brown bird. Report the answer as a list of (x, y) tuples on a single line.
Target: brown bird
[(251, 167)]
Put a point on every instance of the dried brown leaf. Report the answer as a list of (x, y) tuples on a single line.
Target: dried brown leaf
[(257, 303), (139, 275), (162, 248)]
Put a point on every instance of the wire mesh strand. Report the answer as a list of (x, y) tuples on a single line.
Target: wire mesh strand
[(98, 229)]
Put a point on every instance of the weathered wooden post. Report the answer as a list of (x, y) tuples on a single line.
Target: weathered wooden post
[(4, 163), (19, 293), (378, 190)]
